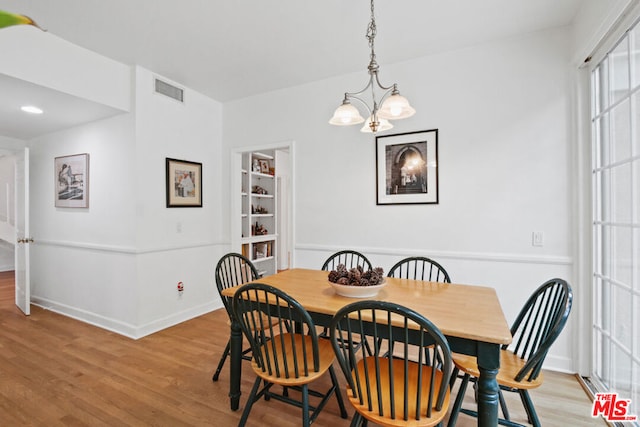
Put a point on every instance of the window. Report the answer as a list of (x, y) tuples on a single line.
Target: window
[(615, 124)]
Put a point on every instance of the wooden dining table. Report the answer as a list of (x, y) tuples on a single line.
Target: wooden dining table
[(469, 316)]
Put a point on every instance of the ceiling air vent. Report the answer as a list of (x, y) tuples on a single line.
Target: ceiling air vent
[(169, 90)]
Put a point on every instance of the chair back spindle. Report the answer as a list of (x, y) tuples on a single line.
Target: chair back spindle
[(232, 270), (349, 258), (419, 268)]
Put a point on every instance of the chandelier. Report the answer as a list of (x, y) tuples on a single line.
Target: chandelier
[(390, 106)]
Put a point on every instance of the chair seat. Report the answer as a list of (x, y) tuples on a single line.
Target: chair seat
[(282, 344), (399, 396), (510, 365)]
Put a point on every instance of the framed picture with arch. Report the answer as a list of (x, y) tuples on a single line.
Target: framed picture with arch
[(407, 168)]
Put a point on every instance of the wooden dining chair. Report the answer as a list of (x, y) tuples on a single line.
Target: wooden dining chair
[(535, 329), (291, 357), (419, 268), (349, 258), (232, 270), (392, 390)]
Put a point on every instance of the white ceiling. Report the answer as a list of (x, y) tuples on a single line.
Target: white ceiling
[(233, 49), (61, 110)]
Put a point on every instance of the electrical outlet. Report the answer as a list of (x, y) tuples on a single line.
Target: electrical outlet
[(537, 238)]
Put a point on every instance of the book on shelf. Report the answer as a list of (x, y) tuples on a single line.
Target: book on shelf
[(259, 250)]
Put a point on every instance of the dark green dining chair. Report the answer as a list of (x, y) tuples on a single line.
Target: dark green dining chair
[(392, 389), (232, 270), (350, 259), (419, 268), (537, 326), (292, 357)]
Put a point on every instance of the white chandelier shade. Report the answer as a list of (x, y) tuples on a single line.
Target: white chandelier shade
[(346, 114), (383, 124), (396, 107)]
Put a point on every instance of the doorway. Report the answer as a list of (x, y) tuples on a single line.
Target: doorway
[(276, 216), (7, 211), (14, 222)]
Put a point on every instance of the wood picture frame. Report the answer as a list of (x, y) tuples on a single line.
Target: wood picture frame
[(264, 166), (184, 184), (71, 177), (407, 168)]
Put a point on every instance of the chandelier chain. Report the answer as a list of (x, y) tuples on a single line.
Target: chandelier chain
[(371, 33)]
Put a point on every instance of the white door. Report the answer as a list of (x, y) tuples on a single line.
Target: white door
[(616, 224), (23, 285)]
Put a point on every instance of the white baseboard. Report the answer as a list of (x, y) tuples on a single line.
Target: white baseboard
[(559, 364), (183, 316), (123, 328)]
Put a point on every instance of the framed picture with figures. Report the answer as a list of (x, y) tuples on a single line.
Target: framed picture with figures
[(71, 177), (184, 184)]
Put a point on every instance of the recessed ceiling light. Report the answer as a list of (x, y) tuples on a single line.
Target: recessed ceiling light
[(31, 109)]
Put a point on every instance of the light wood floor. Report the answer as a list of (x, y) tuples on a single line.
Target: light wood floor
[(56, 371)]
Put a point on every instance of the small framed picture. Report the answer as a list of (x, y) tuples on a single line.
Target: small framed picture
[(264, 166), (72, 181), (184, 184), (407, 168)]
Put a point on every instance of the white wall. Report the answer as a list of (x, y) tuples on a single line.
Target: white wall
[(503, 114), (83, 260), (117, 263), (176, 244), (69, 68)]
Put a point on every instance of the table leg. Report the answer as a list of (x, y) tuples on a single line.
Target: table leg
[(488, 391), (236, 365)]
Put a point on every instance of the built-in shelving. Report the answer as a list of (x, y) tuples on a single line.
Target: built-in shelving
[(258, 199)]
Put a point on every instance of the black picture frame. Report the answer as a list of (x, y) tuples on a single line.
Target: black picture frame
[(184, 184), (407, 168)]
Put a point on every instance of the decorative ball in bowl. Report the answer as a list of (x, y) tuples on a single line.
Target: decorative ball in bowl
[(355, 282)]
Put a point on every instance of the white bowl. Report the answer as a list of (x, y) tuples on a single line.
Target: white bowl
[(357, 291)]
